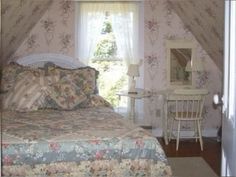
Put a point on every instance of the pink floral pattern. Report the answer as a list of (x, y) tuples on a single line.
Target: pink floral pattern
[(84, 78), (28, 14), (161, 22), (54, 147), (53, 33), (86, 142), (66, 94)]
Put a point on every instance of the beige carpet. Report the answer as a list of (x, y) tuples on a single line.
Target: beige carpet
[(190, 167)]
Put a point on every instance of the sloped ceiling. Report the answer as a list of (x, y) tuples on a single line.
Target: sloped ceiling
[(205, 19), (18, 18)]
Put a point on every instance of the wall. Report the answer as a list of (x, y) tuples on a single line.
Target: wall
[(161, 23), (205, 19), (55, 33), (18, 18)]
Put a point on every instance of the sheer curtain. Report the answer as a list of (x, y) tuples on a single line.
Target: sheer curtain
[(125, 23), (125, 27), (91, 17)]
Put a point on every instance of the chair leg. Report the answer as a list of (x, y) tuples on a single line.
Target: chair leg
[(196, 130), (200, 134), (177, 141), (171, 129)]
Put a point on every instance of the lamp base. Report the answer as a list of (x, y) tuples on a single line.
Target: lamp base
[(132, 89)]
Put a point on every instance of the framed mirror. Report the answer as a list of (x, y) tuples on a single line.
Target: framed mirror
[(179, 53)]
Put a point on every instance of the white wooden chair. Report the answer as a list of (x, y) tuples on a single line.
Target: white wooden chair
[(187, 105)]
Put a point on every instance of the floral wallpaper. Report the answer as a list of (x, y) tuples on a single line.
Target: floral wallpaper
[(18, 18), (162, 23), (204, 18), (55, 32)]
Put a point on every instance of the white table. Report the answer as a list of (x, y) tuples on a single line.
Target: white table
[(141, 93), (165, 94)]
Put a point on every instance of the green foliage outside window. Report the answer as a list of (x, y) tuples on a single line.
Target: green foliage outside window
[(112, 77), (106, 48), (107, 27)]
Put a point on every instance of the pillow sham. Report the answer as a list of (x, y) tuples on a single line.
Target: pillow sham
[(95, 101), (64, 95), (11, 72), (85, 78), (26, 95)]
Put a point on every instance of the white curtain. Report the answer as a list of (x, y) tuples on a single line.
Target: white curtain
[(125, 27), (91, 17), (125, 24)]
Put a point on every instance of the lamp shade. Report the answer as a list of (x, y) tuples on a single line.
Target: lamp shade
[(194, 65), (133, 70)]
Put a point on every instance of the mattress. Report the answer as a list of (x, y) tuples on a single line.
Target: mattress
[(85, 142)]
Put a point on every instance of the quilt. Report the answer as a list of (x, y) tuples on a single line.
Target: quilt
[(86, 142)]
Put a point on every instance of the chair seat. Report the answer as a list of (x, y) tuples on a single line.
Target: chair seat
[(185, 116)]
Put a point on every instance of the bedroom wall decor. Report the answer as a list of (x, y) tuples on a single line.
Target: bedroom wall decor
[(55, 32), (18, 18)]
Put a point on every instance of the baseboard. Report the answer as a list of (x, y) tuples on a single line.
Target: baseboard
[(210, 132), (206, 133)]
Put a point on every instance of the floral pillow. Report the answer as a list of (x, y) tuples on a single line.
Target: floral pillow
[(85, 78), (95, 101), (65, 95)]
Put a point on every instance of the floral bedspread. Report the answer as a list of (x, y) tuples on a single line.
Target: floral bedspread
[(87, 142)]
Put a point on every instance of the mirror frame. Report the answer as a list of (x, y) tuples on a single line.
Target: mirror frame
[(178, 44)]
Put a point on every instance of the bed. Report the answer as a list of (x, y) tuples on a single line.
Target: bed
[(70, 139)]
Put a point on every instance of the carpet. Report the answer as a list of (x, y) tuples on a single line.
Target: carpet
[(190, 167)]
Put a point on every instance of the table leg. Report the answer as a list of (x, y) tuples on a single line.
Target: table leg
[(132, 109), (165, 130)]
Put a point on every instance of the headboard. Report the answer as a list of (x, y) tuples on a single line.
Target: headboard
[(39, 60)]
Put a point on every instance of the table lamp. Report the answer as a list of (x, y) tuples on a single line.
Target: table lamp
[(133, 71)]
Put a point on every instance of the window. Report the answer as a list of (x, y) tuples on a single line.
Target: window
[(109, 40)]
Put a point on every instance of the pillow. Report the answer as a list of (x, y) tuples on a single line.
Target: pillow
[(48, 80), (85, 78), (26, 95), (95, 101), (65, 95), (11, 73)]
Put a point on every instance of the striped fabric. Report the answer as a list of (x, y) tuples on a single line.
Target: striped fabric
[(48, 80), (27, 95)]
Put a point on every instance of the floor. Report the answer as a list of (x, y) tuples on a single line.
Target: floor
[(189, 148)]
